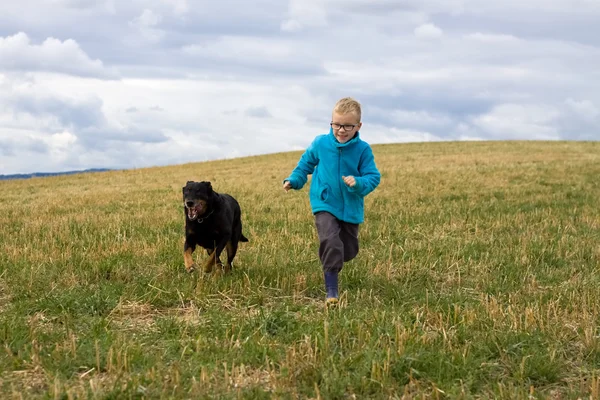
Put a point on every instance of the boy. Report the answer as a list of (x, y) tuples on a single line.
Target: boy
[(343, 172)]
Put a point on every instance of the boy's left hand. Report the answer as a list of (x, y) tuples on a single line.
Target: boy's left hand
[(349, 180)]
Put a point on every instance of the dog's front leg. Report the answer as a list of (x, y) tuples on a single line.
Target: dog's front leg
[(188, 249)]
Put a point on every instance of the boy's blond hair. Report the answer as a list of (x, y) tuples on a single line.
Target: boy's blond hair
[(348, 105)]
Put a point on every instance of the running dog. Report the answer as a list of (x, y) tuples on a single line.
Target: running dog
[(212, 221)]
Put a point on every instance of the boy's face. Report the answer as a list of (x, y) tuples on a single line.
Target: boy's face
[(345, 126)]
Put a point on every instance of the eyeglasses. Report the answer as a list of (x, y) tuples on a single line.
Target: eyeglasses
[(347, 127)]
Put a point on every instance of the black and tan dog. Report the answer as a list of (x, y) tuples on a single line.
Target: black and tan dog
[(213, 221)]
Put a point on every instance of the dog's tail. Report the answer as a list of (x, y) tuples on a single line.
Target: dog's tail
[(243, 238)]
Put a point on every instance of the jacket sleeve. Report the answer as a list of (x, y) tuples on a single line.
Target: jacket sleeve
[(369, 174), (305, 167)]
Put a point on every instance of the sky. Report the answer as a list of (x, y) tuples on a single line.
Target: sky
[(140, 83)]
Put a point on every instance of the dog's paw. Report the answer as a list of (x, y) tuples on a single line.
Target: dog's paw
[(191, 268)]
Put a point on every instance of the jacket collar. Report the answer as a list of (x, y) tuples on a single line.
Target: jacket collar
[(355, 139)]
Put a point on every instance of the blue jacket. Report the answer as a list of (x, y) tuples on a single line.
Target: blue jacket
[(328, 160)]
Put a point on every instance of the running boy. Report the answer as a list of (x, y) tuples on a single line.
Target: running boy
[(343, 172)]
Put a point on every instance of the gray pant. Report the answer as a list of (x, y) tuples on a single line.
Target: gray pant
[(338, 241)]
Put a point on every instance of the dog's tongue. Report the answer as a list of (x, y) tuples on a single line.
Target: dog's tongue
[(192, 213)]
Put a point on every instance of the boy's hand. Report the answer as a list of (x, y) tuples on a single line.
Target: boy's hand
[(349, 180), (287, 185)]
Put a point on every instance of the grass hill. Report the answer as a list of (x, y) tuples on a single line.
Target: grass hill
[(478, 276)]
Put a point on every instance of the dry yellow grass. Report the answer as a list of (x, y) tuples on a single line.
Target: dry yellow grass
[(477, 277)]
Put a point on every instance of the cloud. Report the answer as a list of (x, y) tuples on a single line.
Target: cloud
[(81, 4), (258, 112), (62, 140), (10, 147), (262, 55), (428, 31), (152, 82), (77, 118), (18, 53), (303, 14), (73, 113), (180, 7), (580, 120), (106, 136), (585, 109), (242, 48), (385, 134), (146, 23), (513, 121), (491, 38)]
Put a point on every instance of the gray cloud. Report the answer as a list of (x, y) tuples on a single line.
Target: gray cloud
[(106, 136), (67, 113), (7, 148), (258, 112), (13, 146)]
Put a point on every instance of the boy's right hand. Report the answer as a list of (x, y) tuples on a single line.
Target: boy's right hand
[(287, 185)]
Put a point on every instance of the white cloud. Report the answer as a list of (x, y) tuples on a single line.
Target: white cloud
[(18, 53), (428, 31), (62, 140), (146, 24), (305, 14), (180, 7), (147, 19), (264, 55), (420, 118), (242, 48), (491, 38), (291, 25), (584, 108), (175, 7), (520, 121), (384, 134)]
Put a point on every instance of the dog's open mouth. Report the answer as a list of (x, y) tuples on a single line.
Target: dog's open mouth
[(193, 212)]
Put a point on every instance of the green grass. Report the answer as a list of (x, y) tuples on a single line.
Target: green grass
[(477, 277)]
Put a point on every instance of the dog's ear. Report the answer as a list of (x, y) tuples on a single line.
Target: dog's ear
[(188, 183), (209, 186)]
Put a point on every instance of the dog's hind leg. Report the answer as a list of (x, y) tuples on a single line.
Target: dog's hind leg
[(232, 246), (209, 263), (214, 256), (218, 262)]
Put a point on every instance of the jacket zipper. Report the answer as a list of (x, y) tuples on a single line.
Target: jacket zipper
[(340, 177)]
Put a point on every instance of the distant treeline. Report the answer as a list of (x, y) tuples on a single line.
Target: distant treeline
[(44, 174)]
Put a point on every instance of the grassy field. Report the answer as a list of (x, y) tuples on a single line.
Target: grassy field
[(478, 277)]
